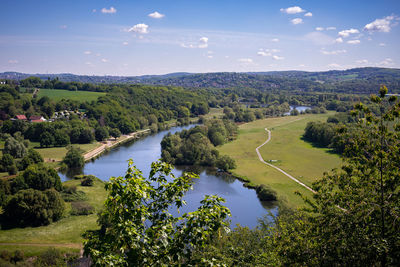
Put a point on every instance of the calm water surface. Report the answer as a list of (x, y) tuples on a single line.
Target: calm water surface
[(245, 207)]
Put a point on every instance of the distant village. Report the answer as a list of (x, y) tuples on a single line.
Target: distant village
[(60, 115)]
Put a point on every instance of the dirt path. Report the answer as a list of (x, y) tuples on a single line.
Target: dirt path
[(68, 245), (279, 169), (109, 144)]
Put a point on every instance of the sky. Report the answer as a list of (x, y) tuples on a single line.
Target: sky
[(129, 37)]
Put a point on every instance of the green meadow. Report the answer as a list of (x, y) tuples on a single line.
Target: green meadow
[(286, 150), (81, 96)]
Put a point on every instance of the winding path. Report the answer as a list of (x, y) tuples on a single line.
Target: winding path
[(279, 169)]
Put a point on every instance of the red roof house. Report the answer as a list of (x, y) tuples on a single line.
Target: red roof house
[(21, 117)]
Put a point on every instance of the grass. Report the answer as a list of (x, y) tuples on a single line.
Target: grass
[(292, 154), (67, 231), (215, 113), (58, 153), (81, 96)]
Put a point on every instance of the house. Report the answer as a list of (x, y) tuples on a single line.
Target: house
[(36, 118), (21, 117)]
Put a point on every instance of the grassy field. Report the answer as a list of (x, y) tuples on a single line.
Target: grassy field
[(215, 113), (287, 149), (58, 153), (66, 232), (81, 96)]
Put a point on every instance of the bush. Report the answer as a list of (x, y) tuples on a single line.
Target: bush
[(81, 208), (33, 208), (51, 257), (74, 158), (87, 181), (265, 193), (40, 177)]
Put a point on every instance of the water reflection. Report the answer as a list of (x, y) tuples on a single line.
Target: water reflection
[(244, 204)]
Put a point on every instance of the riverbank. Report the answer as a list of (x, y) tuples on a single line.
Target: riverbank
[(286, 150)]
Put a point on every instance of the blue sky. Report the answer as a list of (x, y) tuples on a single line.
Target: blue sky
[(128, 37)]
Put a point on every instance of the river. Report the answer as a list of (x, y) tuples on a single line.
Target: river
[(245, 207)]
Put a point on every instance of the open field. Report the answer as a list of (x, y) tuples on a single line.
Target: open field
[(81, 96), (215, 112), (286, 150), (66, 232), (58, 153)]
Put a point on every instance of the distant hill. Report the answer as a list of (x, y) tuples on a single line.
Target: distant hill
[(358, 80)]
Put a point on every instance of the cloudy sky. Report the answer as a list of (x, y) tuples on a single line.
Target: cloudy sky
[(129, 37)]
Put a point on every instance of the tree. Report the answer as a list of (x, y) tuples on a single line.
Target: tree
[(33, 208), (101, 133), (353, 219), (74, 158), (14, 148), (40, 177), (137, 228), (114, 132), (46, 139), (61, 138)]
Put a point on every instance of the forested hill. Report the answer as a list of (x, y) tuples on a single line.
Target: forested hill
[(359, 80)]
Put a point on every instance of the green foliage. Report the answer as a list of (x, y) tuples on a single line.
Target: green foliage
[(115, 132), (51, 257), (137, 228), (101, 133), (40, 177), (33, 208), (46, 139), (74, 158), (81, 208), (197, 145), (353, 219), (14, 148), (87, 181), (265, 193)]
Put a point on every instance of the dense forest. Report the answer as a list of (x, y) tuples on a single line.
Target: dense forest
[(358, 80)]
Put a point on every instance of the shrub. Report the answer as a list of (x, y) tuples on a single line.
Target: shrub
[(33, 208), (87, 181), (51, 257), (265, 193), (81, 208), (74, 158), (40, 177)]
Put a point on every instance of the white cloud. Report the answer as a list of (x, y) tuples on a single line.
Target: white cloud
[(382, 44), (277, 57), (111, 10), (346, 33), (362, 61), (275, 40), (264, 54), (13, 61), (386, 62), (203, 43), (245, 60), (292, 10), (87, 52), (308, 14), (63, 27), (89, 63), (139, 28), (297, 21), (156, 15), (319, 29), (339, 40), (331, 28), (125, 43), (334, 52), (104, 60), (381, 25), (210, 56), (353, 42), (94, 10)]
